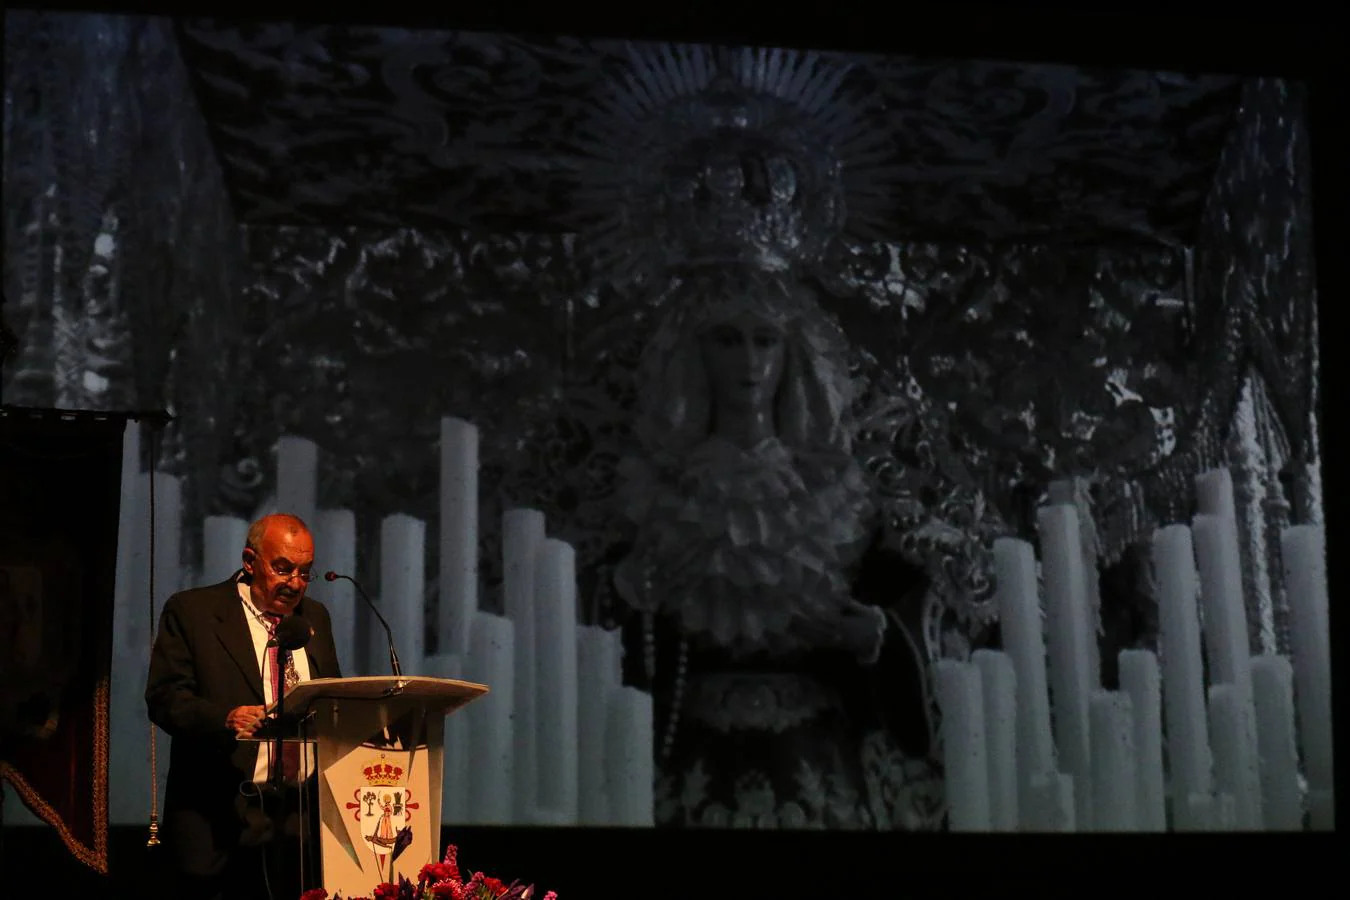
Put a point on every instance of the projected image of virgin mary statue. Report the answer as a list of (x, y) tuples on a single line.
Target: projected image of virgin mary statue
[(788, 694)]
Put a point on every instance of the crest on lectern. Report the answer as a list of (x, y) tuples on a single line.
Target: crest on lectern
[(385, 804), (379, 805)]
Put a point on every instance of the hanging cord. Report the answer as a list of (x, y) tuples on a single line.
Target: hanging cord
[(153, 840)]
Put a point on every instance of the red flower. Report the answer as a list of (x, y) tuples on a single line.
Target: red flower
[(447, 890), (314, 894), (386, 891), (438, 871), (495, 885)]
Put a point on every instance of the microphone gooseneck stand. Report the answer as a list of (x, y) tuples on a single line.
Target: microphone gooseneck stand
[(290, 635), (278, 741), (397, 669), (268, 855)]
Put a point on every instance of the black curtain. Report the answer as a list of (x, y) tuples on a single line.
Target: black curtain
[(60, 476)]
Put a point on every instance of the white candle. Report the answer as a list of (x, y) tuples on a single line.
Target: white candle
[(629, 757), (1024, 640), (1065, 493), (297, 478), (522, 532), (169, 569), (1051, 803), (998, 686), (555, 647), (1070, 679), (1225, 813), (1183, 677), (1215, 504), (455, 763), (1202, 813), (1273, 696), (550, 817), (597, 674), (613, 647), (402, 592), (222, 547), (1234, 759), (135, 627), (335, 551), (1321, 810), (960, 699), (458, 559), (1225, 618), (1305, 573), (128, 743), (1114, 774), (1214, 494), (488, 721), (1227, 639), (129, 606), (1139, 678)]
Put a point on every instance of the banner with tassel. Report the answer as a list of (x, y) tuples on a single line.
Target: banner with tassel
[(59, 496)]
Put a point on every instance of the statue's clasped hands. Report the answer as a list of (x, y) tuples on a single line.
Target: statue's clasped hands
[(863, 630), (858, 628)]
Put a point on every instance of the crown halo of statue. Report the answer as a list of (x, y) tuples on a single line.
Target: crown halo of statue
[(696, 156)]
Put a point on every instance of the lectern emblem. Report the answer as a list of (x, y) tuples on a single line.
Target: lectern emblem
[(381, 805)]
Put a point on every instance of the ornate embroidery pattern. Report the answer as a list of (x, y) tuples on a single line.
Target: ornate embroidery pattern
[(896, 793), (759, 702)]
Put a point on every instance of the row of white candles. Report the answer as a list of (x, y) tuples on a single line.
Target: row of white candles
[(577, 747), (1094, 759), (580, 743), (557, 740), (1213, 782)]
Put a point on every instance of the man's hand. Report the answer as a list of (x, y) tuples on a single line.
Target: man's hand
[(244, 720)]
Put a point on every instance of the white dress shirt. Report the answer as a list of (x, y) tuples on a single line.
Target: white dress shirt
[(258, 631)]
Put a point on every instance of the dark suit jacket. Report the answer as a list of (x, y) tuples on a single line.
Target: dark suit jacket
[(203, 665)]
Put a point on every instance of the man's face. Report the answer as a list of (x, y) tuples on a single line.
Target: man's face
[(284, 555)]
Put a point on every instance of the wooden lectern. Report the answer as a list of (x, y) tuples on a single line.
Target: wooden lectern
[(379, 764)]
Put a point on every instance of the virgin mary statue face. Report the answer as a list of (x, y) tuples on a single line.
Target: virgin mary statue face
[(743, 358)]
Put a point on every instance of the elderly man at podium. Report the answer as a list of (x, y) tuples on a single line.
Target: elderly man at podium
[(215, 668)]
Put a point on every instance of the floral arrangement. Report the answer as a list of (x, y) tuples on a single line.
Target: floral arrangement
[(443, 881)]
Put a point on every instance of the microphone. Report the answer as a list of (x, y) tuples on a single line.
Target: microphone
[(393, 654), (292, 633)]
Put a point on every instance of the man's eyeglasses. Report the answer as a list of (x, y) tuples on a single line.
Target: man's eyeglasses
[(286, 571)]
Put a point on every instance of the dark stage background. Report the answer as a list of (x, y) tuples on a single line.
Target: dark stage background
[(1087, 273)]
